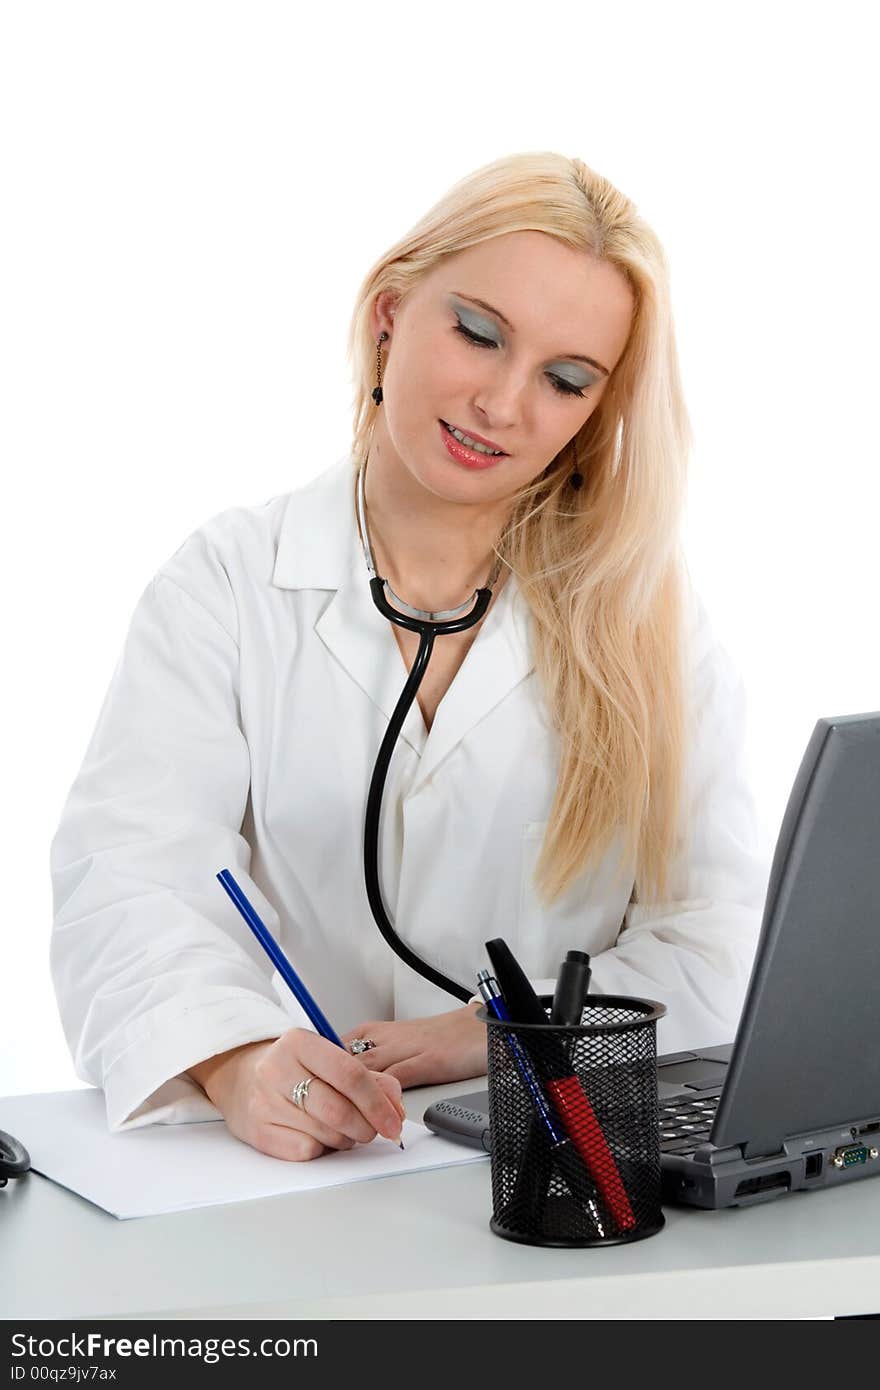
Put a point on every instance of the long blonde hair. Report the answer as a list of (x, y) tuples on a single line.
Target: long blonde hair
[(601, 569)]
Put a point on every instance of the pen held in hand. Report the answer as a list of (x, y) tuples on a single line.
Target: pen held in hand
[(281, 963)]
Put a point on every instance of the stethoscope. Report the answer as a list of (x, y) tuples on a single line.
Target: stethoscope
[(428, 625)]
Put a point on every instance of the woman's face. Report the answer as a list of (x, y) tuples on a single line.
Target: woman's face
[(525, 387)]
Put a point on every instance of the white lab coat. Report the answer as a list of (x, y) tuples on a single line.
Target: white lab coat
[(240, 731)]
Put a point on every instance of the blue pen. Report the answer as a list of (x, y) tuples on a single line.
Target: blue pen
[(278, 958), (488, 987), (280, 961)]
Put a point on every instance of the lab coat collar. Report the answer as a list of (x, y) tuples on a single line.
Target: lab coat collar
[(319, 548), (317, 531)]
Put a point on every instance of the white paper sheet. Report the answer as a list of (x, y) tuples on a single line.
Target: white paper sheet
[(164, 1168)]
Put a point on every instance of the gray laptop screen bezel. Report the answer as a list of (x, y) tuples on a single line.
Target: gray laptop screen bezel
[(805, 1055)]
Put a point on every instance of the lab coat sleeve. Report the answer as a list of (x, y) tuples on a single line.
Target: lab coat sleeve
[(694, 953), (152, 966)]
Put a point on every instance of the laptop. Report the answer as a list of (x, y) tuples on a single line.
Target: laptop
[(793, 1103)]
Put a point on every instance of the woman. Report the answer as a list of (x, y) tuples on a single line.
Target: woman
[(571, 774)]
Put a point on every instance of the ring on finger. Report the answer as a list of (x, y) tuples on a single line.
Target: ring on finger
[(359, 1045), (300, 1092)]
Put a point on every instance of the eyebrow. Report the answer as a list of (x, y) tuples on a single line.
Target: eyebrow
[(573, 356)]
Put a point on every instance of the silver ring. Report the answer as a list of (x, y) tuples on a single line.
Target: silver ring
[(300, 1093), (358, 1045)]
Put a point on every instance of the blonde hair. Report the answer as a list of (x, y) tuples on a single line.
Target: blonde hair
[(601, 569)]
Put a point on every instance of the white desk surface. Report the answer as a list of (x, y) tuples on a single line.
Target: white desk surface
[(419, 1246)]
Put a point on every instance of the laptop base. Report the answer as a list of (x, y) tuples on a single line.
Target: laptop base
[(708, 1176), (712, 1177)]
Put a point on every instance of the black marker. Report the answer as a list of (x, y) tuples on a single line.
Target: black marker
[(572, 986)]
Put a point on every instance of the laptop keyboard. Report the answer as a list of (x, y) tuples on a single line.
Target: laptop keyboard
[(686, 1123)]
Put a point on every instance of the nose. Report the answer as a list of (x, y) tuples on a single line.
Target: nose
[(501, 402)]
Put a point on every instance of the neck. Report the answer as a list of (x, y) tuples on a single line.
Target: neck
[(433, 552)]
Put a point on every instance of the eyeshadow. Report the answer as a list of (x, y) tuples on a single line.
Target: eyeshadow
[(487, 328)]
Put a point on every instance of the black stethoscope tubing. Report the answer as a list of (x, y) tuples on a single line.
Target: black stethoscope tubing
[(428, 627), (427, 632)]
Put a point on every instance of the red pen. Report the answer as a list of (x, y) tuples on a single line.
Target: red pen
[(576, 1114)]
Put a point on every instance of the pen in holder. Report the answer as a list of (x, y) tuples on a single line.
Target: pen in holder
[(576, 1147)]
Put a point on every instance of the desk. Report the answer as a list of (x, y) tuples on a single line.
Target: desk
[(422, 1245)]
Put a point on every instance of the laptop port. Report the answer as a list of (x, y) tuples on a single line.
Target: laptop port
[(750, 1186), (850, 1154), (870, 1129), (813, 1166)]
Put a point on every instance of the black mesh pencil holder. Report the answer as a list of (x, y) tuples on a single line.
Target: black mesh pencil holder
[(573, 1113)]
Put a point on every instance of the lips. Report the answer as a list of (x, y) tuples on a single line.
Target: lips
[(466, 455), (480, 438)]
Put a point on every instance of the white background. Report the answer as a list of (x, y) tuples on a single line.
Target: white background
[(192, 193)]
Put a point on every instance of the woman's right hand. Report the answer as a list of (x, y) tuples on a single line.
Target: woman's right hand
[(347, 1104)]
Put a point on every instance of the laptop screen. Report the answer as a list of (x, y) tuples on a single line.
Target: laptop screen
[(806, 1054)]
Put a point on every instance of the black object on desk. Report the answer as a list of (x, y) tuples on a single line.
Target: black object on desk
[(14, 1158)]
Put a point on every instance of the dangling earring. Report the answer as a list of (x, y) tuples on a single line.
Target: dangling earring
[(377, 389), (577, 477)]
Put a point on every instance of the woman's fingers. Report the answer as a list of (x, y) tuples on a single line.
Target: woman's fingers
[(354, 1101), (391, 1085), (329, 1113), (367, 1032), (324, 1113), (295, 1145), (393, 1044), (311, 1119), (414, 1071), (372, 1060), (389, 1047)]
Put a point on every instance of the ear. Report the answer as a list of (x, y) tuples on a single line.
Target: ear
[(384, 309)]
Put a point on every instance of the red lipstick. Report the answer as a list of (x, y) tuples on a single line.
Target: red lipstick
[(469, 457)]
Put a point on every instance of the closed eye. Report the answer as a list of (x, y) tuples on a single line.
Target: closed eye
[(564, 388)]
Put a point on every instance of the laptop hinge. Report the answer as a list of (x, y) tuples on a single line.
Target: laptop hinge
[(708, 1153), (737, 1153), (764, 1148)]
